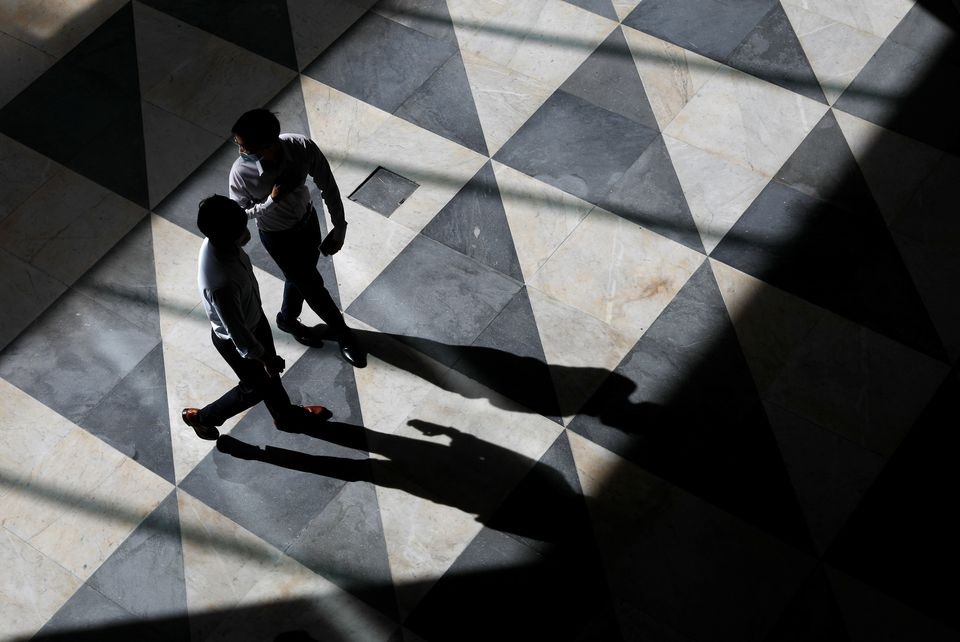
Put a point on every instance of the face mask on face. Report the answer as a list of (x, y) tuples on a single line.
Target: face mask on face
[(251, 158)]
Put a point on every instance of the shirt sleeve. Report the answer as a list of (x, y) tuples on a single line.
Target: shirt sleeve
[(323, 178), (227, 304), (238, 192)]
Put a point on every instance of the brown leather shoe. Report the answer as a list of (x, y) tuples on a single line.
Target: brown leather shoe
[(310, 416), (190, 417)]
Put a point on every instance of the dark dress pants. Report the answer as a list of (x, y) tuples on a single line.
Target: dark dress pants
[(296, 252), (255, 385)]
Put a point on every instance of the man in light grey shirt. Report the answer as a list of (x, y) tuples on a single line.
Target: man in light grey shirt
[(239, 329), (269, 181)]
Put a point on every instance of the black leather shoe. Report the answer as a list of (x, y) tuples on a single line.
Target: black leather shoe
[(305, 418), (312, 337), (351, 352), (191, 417)]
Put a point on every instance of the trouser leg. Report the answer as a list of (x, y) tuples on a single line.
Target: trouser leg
[(254, 386)]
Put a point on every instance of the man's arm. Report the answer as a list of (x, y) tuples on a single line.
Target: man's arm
[(239, 193), (227, 304), (323, 178)]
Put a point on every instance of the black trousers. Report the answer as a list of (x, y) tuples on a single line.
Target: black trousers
[(254, 386), (296, 252)]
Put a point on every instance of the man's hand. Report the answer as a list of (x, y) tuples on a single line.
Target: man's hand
[(276, 192), (334, 240), (273, 364)]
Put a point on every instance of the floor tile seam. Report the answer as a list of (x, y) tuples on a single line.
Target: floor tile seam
[(726, 158), (846, 23), (47, 558), (50, 55), (833, 21), (218, 134)]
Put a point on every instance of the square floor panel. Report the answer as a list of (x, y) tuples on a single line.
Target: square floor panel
[(384, 191)]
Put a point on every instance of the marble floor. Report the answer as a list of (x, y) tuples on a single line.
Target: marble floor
[(662, 344)]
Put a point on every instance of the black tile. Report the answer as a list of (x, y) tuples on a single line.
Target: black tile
[(508, 358), (902, 538), (260, 26), (842, 260), (84, 112), (74, 355), (773, 52), (141, 394), (383, 191), (88, 616), (712, 28), (609, 79), (427, 16), (380, 61), (475, 224), (812, 615), (444, 105), (461, 298), (695, 418), (649, 194), (600, 7), (576, 146)]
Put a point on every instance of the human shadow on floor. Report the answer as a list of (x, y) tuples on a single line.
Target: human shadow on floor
[(553, 391), (467, 473)]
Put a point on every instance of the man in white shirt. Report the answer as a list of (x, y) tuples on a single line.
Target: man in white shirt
[(269, 181), (240, 331)]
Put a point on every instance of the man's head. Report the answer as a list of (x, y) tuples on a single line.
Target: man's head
[(256, 132), (223, 221)]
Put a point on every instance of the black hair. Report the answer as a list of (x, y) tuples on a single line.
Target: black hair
[(259, 128), (220, 219)]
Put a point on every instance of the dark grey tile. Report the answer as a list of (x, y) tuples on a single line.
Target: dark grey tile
[(600, 7), (813, 614), (508, 358), (843, 260), (345, 544), (380, 61), (435, 293), (474, 223), (84, 112), (427, 16), (384, 191), (609, 79), (930, 30), (649, 194), (88, 616), (74, 355), (773, 52), (134, 418), (693, 416), (576, 146), (712, 28), (261, 27), (444, 105)]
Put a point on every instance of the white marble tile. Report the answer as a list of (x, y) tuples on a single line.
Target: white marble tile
[(395, 380), (174, 149), (440, 167), (543, 39), (22, 172), (67, 225), (175, 252), (372, 242), (671, 75), (20, 65), (55, 26), (624, 7), (32, 588), (30, 431), (541, 217), (877, 17), (425, 537), (338, 123), (617, 272), (276, 603), (470, 16), (505, 98), (747, 120), (580, 350), (769, 322), (222, 561), (836, 51), (198, 76), (718, 191), (81, 501), (892, 164)]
